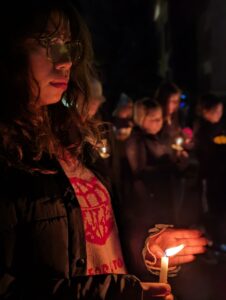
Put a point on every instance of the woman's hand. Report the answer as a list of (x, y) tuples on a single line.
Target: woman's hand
[(193, 241), (156, 291)]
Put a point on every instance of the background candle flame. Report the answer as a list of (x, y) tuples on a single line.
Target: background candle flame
[(174, 250), (179, 141), (104, 149)]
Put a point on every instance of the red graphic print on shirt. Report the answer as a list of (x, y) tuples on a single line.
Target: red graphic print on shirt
[(96, 209)]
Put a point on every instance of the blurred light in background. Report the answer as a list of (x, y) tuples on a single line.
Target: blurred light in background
[(157, 11)]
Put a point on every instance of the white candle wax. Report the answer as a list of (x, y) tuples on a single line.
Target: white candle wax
[(164, 269)]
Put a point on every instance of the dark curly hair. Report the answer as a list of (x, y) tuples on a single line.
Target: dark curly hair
[(28, 133)]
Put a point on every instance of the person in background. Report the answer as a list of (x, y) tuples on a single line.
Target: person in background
[(169, 96), (210, 147), (122, 118), (207, 126), (122, 122), (174, 129), (153, 164), (96, 98), (107, 158), (95, 101)]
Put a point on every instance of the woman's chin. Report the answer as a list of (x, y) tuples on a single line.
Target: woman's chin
[(48, 101)]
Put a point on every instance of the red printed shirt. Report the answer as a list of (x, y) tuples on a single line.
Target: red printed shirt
[(103, 248)]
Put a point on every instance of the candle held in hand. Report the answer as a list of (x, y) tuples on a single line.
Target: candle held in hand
[(179, 141), (165, 262), (103, 149), (164, 269), (178, 144)]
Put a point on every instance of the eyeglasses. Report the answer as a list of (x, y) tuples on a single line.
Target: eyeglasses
[(58, 50)]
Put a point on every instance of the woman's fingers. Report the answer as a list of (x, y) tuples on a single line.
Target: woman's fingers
[(192, 250), (156, 250), (179, 260), (156, 289), (193, 241), (185, 233)]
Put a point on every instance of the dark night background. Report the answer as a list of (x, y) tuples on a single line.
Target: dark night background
[(138, 43)]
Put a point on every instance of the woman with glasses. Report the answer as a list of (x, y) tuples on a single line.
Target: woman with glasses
[(58, 232)]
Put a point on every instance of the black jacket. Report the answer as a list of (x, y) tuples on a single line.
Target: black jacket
[(148, 199), (212, 158), (152, 164), (210, 155), (42, 243)]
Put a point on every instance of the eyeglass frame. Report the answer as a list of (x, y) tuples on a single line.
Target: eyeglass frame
[(46, 42)]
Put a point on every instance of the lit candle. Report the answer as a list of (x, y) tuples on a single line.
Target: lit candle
[(104, 149), (164, 269), (179, 141), (178, 144), (165, 262)]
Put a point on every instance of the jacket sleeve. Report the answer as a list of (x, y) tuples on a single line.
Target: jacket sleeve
[(135, 155), (8, 225), (107, 287)]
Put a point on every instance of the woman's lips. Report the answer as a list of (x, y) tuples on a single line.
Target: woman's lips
[(59, 85)]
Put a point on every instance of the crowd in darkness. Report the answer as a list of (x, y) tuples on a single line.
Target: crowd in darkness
[(172, 170), (94, 197)]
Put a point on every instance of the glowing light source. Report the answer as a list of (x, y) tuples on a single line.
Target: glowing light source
[(157, 11), (174, 250), (103, 149), (178, 144), (179, 141), (165, 262)]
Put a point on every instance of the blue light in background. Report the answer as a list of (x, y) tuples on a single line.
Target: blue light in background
[(182, 104)]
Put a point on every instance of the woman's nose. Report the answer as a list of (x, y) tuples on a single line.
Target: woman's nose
[(65, 64)]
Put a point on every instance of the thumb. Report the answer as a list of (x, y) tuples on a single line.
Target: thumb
[(156, 289), (155, 251)]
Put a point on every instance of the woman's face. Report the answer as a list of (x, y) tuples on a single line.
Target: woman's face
[(173, 103), (50, 69), (153, 121)]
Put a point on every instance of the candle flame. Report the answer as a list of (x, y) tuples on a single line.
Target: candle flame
[(179, 141), (104, 149), (174, 250)]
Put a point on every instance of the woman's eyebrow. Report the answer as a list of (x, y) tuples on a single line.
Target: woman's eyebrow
[(57, 34)]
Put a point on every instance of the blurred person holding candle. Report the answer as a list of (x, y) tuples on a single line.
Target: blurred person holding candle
[(151, 162), (174, 122), (154, 168), (168, 95), (180, 135)]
